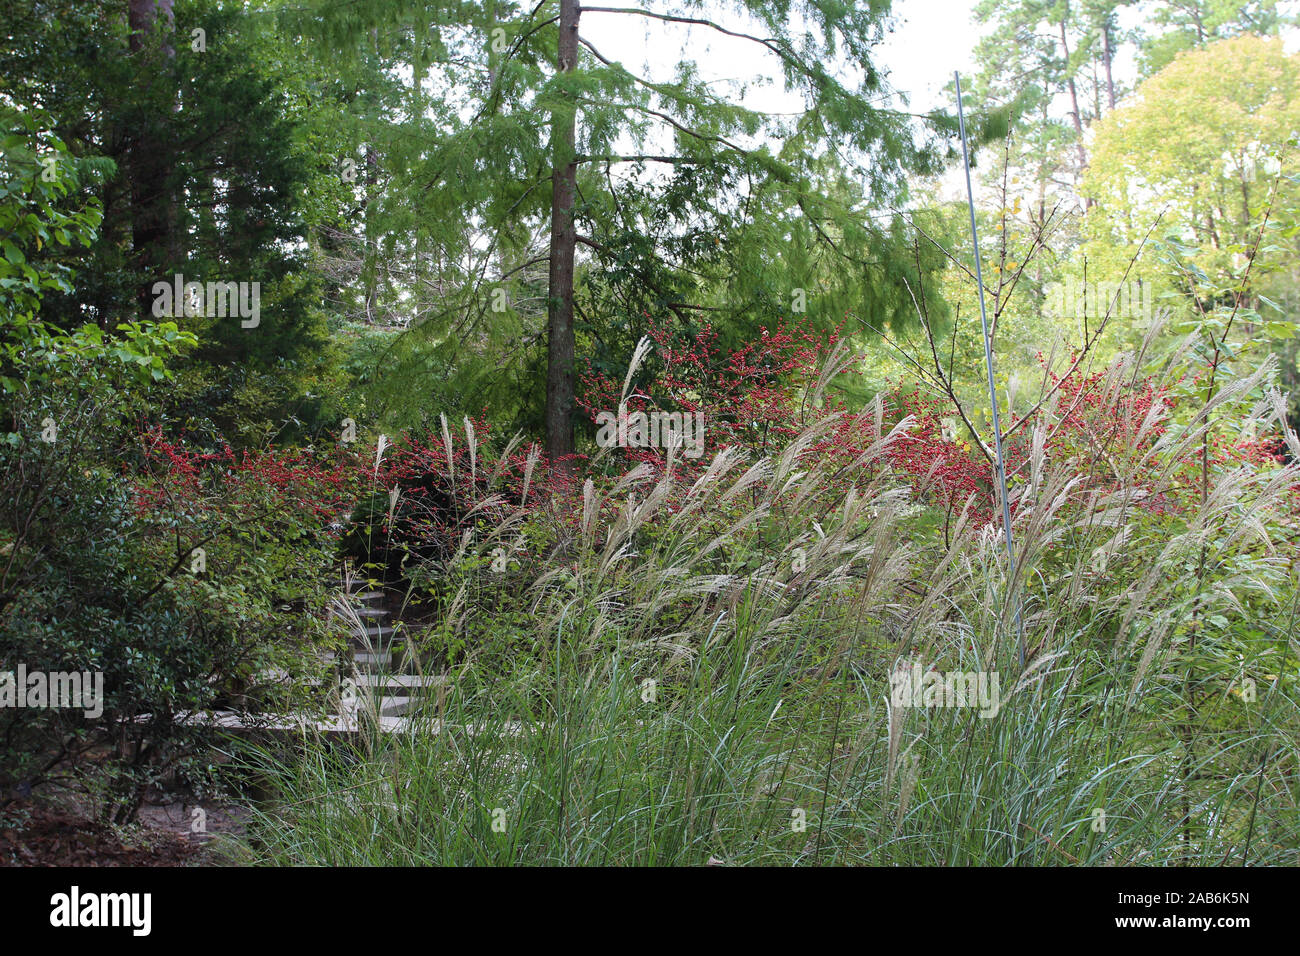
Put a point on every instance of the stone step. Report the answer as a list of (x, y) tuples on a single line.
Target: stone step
[(386, 663), (408, 682), (395, 707), (363, 612), (388, 701), (373, 659), (371, 632), (278, 675), (380, 635), (398, 705), (295, 724)]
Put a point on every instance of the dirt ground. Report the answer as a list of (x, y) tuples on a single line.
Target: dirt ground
[(169, 832)]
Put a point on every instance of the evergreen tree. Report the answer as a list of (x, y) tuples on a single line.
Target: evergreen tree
[(189, 101), (521, 143)]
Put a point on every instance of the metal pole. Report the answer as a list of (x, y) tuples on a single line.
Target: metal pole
[(988, 361)]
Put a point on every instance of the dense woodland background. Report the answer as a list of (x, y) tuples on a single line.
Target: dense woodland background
[(475, 229)]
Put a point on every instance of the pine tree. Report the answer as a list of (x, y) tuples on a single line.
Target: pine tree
[(210, 175), (514, 129)]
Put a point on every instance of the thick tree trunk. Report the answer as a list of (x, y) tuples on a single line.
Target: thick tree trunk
[(564, 187), (141, 16), (154, 239)]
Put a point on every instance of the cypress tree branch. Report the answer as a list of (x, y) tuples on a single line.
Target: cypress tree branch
[(769, 43), (641, 158)]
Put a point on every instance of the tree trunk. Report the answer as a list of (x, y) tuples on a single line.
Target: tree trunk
[(1074, 99), (154, 239), (564, 186), (141, 15), (1096, 90), (1045, 165), (1108, 56), (370, 267)]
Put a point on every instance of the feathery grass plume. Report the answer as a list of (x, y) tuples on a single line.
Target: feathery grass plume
[(471, 443), (447, 446), (679, 694), (534, 455)]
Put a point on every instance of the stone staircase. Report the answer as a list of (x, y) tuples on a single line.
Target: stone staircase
[(384, 673), (379, 682)]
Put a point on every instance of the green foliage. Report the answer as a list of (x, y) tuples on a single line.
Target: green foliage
[(722, 213), (40, 229), (91, 581), (1188, 24), (44, 216), (701, 669), (1205, 157), (202, 147), (682, 662)]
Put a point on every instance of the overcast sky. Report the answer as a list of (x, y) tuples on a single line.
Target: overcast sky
[(932, 38)]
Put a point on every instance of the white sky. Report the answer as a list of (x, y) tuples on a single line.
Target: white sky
[(933, 38)]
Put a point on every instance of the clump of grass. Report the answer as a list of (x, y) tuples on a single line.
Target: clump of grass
[(735, 764), (693, 693)]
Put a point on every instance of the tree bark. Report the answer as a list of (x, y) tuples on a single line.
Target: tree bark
[(1108, 56), (370, 268), (1074, 99), (141, 16), (154, 231), (561, 345)]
